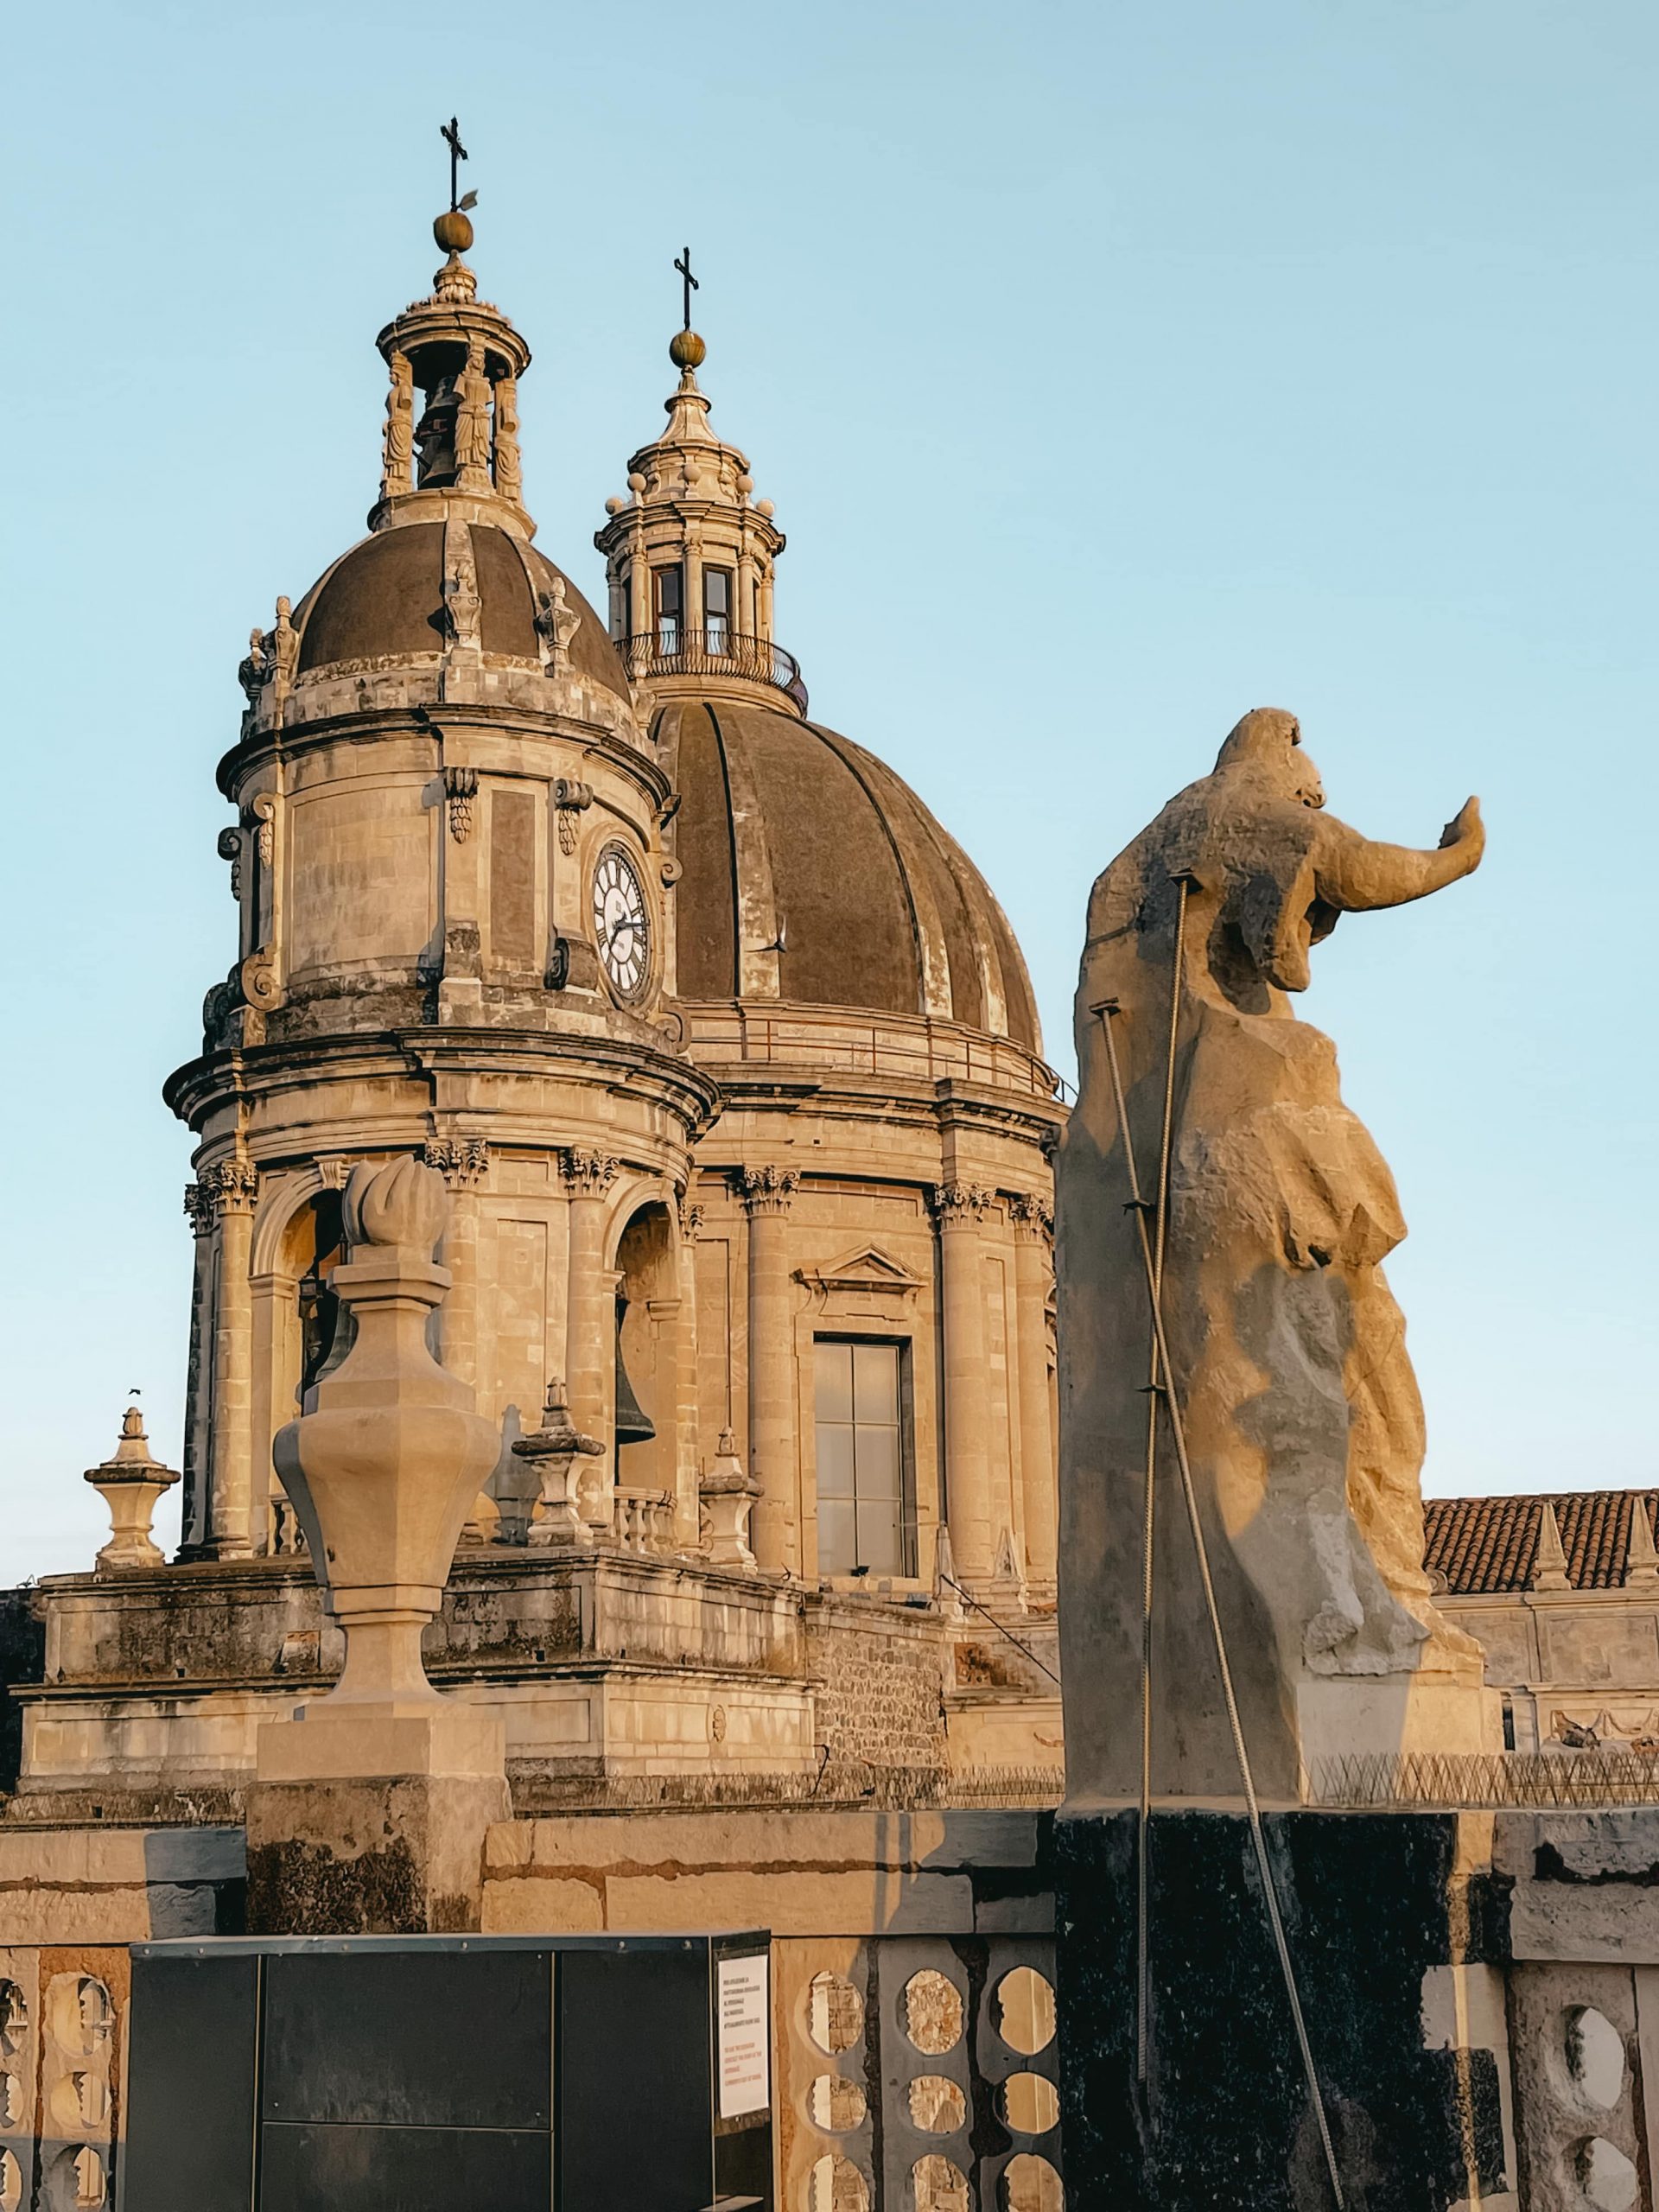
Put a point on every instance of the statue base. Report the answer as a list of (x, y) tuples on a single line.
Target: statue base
[(1396, 1936), (370, 1818)]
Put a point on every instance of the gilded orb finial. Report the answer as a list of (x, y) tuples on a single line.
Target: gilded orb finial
[(686, 350), (453, 231)]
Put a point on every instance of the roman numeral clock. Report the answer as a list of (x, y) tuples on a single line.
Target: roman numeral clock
[(622, 922)]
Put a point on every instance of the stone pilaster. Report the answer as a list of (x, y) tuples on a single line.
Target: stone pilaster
[(463, 1161), (1033, 1276), (198, 1382), (960, 1208), (230, 1187), (767, 1194)]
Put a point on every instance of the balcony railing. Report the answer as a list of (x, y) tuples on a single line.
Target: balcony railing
[(674, 651)]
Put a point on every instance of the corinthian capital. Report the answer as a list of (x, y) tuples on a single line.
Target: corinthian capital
[(588, 1175), (459, 1160), (1028, 1211), (956, 1204), (228, 1186), (767, 1189)]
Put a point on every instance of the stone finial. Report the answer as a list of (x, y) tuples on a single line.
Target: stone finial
[(1549, 1562), (727, 1495), (401, 1207), (131, 1482), (553, 1450), (1641, 1556), (946, 1595)]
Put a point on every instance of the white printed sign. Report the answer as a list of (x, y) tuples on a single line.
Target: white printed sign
[(745, 2032)]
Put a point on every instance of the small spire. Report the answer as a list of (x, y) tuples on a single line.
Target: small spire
[(1549, 1561), (686, 350), (1641, 1556)]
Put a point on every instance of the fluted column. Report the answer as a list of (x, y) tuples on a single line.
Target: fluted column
[(231, 1186), (1033, 1272), (462, 1162), (767, 1194), (590, 1324), (960, 1208)]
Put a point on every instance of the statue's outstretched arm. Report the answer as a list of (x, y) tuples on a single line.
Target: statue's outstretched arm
[(1353, 873)]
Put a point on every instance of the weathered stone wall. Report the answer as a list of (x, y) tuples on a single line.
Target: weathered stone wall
[(881, 1710), (23, 1656)]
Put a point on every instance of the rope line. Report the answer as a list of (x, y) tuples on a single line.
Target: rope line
[(1143, 1920), (1140, 1207)]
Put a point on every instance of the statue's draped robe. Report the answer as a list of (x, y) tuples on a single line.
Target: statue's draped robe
[(1303, 1421)]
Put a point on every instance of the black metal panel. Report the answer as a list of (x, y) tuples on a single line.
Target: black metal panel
[(635, 2108), (191, 2085), (417, 2038), (306, 2168)]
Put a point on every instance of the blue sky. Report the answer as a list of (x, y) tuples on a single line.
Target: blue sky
[(1114, 369)]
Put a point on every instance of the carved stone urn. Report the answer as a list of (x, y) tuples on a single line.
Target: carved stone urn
[(384, 1473), (728, 1492), (129, 1482)]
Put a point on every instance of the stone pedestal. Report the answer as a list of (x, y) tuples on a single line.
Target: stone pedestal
[(1395, 1933), (372, 1820)]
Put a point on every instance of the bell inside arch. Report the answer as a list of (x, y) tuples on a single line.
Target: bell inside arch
[(633, 1424)]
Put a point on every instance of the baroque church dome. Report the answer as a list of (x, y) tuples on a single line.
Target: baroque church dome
[(384, 601), (795, 842)]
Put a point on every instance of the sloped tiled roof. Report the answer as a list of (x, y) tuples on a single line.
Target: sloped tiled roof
[(1486, 1544)]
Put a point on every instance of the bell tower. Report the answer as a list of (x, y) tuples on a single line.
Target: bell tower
[(455, 938), (690, 554)]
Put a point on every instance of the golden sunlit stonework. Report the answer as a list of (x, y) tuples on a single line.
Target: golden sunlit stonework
[(729, 1061)]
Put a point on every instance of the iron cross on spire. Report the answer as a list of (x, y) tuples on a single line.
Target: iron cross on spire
[(450, 133), (684, 266)]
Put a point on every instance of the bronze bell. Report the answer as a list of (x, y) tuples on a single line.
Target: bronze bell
[(633, 1424)]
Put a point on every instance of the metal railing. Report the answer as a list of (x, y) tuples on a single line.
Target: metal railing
[(671, 650)]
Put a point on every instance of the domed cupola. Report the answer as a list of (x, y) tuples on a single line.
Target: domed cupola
[(448, 599), (812, 876)]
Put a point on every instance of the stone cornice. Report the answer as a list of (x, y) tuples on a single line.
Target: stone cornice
[(192, 1091)]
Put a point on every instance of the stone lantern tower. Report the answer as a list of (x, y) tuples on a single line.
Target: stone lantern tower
[(454, 902)]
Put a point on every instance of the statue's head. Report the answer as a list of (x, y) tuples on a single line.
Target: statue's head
[(1269, 741)]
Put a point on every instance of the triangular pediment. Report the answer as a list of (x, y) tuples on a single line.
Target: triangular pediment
[(867, 1269)]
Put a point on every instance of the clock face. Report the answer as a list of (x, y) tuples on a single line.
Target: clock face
[(622, 922)]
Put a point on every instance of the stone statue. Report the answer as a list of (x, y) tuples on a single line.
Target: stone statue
[(400, 428), (254, 673), (509, 469), (473, 425), (1303, 1423)]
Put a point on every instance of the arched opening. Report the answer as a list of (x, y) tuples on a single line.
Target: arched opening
[(306, 1337), (646, 1301)]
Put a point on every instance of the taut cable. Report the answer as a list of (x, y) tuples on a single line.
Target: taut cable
[(1142, 1920), (1138, 1206)]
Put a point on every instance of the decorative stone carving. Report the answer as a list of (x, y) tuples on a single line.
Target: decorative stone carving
[(255, 671), (556, 625), (259, 815), (459, 1160), (385, 1471), (767, 1190), (509, 468), (399, 449), (282, 644), (473, 425), (131, 1482), (198, 1208), (1300, 1412), (1029, 1211), (553, 1450), (230, 848), (462, 608), (459, 790), (571, 799), (228, 1186), (260, 985), (727, 1496), (959, 1204), (588, 1175)]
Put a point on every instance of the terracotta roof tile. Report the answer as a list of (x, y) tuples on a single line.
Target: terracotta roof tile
[(1484, 1544)]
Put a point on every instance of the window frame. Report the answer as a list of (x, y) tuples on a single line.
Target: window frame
[(909, 1544)]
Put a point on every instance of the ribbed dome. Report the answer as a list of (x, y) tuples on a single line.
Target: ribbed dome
[(800, 847), (381, 600)]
